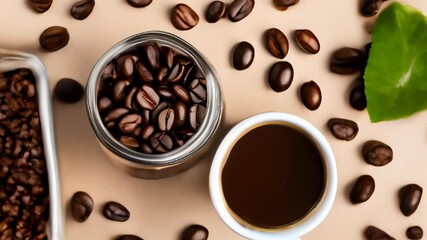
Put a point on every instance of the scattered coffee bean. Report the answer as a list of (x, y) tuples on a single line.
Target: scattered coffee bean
[(311, 96), (415, 232), (410, 197), (276, 43), (184, 17), (195, 232), (81, 206), (362, 189), (116, 212), (357, 97), (139, 3), (215, 11), (240, 9), (68, 90), (54, 38), (280, 76), (377, 153), (374, 233), (128, 237), (347, 60), (40, 6), (307, 41), (369, 8), (24, 191), (343, 129), (243, 56), (82, 9), (282, 5)]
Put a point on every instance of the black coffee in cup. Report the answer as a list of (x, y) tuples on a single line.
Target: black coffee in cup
[(273, 177)]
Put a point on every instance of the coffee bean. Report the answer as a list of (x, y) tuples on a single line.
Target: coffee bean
[(115, 114), (276, 43), (166, 119), (119, 90), (147, 131), (104, 104), (410, 197), (129, 123), (374, 233), (197, 91), (129, 97), (357, 95), (195, 232), (243, 56), (54, 38), (196, 115), (116, 212), (81, 206), (68, 90), (240, 9), (311, 95), (161, 75), (164, 92), (139, 3), (377, 153), (343, 129), (82, 9), (369, 8), (146, 149), (184, 17), (215, 11), (362, 189), (181, 93), (307, 41), (180, 111), (415, 232), (143, 73), (176, 73), (125, 66), (155, 113), (282, 5), (129, 141), (128, 237), (347, 60), (152, 53), (40, 6), (147, 98), (280, 76), (161, 142)]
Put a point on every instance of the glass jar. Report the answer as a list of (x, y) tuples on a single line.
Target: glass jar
[(151, 166)]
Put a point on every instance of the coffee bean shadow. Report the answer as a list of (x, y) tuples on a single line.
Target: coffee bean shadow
[(231, 55), (347, 189)]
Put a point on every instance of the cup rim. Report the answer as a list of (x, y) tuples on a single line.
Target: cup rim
[(315, 216)]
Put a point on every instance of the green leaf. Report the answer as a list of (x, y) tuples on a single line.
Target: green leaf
[(396, 74)]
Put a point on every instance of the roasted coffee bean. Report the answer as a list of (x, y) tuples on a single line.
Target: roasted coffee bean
[(181, 93), (147, 131), (215, 11), (119, 90), (54, 38), (129, 97), (115, 115), (129, 123), (357, 97), (280, 76), (146, 149), (128, 237), (343, 129), (347, 60), (161, 75), (196, 115), (410, 197), (362, 189), (129, 141), (68, 90), (195, 232), (166, 119), (184, 17), (143, 73), (240, 9), (180, 111), (104, 104), (415, 232), (167, 56), (277, 43), (377, 153), (81, 206), (82, 9), (152, 53), (374, 233), (40, 6), (147, 98), (164, 92), (197, 91), (161, 142), (282, 5), (155, 113), (369, 8), (139, 3), (125, 66), (311, 96), (116, 212), (307, 41), (176, 73), (244, 54)]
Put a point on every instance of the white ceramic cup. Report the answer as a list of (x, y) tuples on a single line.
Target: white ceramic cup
[(302, 226)]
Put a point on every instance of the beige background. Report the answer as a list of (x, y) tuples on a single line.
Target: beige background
[(160, 209)]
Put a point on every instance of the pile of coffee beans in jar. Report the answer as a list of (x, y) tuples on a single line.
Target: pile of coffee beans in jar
[(24, 193), (152, 99)]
